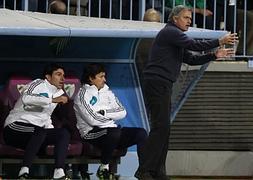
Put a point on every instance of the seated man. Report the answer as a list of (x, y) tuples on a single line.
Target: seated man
[(60, 7), (29, 125), (97, 109), (57, 7), (54, 6)]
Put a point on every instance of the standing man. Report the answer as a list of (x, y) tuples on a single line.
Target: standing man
[(169, 50), (97, 110), (29, 125)]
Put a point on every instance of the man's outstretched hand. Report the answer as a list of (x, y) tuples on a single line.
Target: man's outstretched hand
[(229, 39), (224, 53)]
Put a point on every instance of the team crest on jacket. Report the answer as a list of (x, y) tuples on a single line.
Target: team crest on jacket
[(69, 89), (21, 88), (93, 100)]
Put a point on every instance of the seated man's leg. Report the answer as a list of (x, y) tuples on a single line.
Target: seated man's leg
[(27, 137), (106, 143), (34, 146), (133, 136), (106, 140), (16, 136), (59, 137)]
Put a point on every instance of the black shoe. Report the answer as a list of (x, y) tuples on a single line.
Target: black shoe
[(85, 175), (23, 176), (143, 176), (105, 174), (62, 178), (161, 177)]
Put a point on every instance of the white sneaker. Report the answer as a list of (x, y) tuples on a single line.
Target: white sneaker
[(23, 170), (59, 173)]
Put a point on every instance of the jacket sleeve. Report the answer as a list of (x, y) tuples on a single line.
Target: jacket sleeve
[(115, 110), (197, 59), (178, 38), (36, 94), (87, 114)]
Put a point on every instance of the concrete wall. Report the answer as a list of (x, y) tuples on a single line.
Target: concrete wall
[(209, 163)]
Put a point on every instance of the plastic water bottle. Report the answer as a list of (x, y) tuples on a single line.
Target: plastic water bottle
[(231, 2), (69, 172)]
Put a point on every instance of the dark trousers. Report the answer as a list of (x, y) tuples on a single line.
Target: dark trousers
[(119, 138), (158, 102), (35, 142)]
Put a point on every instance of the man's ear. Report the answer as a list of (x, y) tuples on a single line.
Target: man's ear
[(174, 19), (90, 78), (48, 77)]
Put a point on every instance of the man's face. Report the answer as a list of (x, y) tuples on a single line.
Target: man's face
[(99, 80), (57, 78), (183, 20)]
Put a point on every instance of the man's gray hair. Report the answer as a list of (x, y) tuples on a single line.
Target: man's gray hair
[(176, 11)]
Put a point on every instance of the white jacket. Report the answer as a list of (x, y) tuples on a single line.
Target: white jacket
[(87, 104), (35, 104)]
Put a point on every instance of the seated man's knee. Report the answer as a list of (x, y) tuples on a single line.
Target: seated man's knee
[(40, 132), (142, 134), (114, 134), (64, 134)]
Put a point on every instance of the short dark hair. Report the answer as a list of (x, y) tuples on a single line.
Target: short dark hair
[(57, 7), (50, 68), (176, 11), (91, 70)]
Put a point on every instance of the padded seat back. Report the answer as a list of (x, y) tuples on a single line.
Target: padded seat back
[(64, 115), (10, 94), (71, 86), (13, 90), (8, 97)]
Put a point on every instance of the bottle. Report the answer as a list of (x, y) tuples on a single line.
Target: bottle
[(69, 172), (231, 2)]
